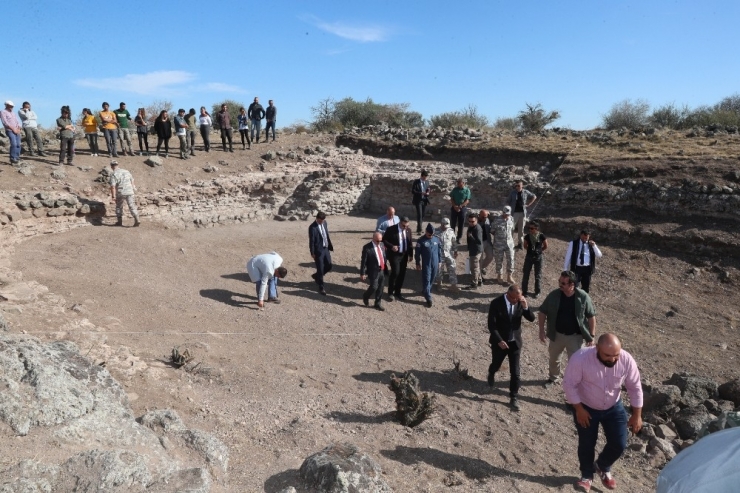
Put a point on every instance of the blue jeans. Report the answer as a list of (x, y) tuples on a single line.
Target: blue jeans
[(268, 126), (614, 422), (15, 144), (111, 138), (271, 288), (256, 125)]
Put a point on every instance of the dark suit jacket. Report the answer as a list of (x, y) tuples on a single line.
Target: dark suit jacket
[(475, 239), (501, 326), (369, 264), (315, 240), (391, 238)]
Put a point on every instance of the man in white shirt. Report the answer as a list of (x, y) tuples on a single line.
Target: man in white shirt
[(580, 258), (265, 270), (30, 123), (388, 219)]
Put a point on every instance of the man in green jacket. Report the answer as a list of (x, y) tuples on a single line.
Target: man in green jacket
[(571, 319)]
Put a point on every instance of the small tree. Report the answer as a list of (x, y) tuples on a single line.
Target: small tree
[(232, 107), (154, 108), (535, 118), (627, 114), (467, 117), (669, 116), (730, 104), (506, 123)]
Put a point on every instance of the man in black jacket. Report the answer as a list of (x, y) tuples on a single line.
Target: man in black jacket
[(372, 267), (475, 250), (398, 244), (256, 113), (319, 244), (271, 114), (505, 324), (420, 190), (580, 257)]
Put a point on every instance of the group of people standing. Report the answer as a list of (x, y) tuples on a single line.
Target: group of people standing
[(117, 127)]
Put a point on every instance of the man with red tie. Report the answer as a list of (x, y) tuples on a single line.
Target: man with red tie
[(372, 268), (397, 239)]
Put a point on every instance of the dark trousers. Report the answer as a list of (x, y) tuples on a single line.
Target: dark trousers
[(421, 208), (226, 134), (398, 271), (244, 133), (143, 141), (323, 266), (583, 276), (268, 126), (67, 146), (458, 219), (497, 358), (375, 289), (614, 423), (205, 132), (191, 137), (166, 142), (530, 261), (92, 139)]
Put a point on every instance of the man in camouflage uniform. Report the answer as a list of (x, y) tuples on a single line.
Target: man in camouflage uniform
[(122, 190), (448, 238), (503, 243)]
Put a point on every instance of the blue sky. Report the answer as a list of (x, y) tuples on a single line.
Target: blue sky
[(578, 57)]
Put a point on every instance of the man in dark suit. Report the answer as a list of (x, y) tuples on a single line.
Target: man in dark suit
[(420, 190), (505, 324), (580, 257), (397, 239), (320, 245), (372, 267)]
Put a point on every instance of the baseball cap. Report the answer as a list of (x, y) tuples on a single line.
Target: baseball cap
[(9, 103), (445, 221), (114, 163), (430, 228), (506, 209)]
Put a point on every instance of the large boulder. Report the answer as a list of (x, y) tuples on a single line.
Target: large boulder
[(691, 420), (342, 468), (661, 399), (75, 430), (694, 389), (730, 391)]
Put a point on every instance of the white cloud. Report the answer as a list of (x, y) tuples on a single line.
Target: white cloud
[(177, 82), (367, 33)]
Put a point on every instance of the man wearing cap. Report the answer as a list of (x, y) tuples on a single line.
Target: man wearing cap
[(503, 243), (428, 255), (31, 128), (372, 267), (519, 199), (447, 237), (386, 220), (122, 190), (12, 130), (123, 117), (459, 200), (265, 270), (580, 257), (398, 244), (420, 190)]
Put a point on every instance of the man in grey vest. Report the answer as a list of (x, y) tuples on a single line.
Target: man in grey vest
[(519, 199)]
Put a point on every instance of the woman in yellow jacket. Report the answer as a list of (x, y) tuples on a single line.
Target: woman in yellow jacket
[(90, 124)]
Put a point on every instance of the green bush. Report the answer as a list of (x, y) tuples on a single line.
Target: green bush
[(535, 118), (669, 116), (506, 123), (335, 115), (627, 114), (467, 117), (231, 106)]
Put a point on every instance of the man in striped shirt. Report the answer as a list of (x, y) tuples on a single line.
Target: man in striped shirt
[(593, 386)]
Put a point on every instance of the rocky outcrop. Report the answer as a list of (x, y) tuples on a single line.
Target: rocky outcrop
[(343, 468), (52, 394)]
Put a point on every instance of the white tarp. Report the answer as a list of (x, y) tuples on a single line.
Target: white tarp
[(711, 464)]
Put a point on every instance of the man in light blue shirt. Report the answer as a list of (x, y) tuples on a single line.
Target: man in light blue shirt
[(264, 270), (387, 220)]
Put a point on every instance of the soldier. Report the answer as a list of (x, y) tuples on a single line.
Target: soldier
[(448, 239), (122, 189), (503, 243), (535, 244), (429, 253)]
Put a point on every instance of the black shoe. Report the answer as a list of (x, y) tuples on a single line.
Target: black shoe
[(322, 292), (119, 222), (471, 288), (429, 303), (390, 297), (313, 276), (458, 241), (379, 307), (514, 404), (274, 300), (399, 297), (536, 295), (231, 150), (480, 282), (136, 223), (491, 379), (366, 300)]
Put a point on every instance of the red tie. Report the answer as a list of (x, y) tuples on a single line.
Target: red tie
[(380, 257)]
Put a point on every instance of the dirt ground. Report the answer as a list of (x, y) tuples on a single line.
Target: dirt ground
[(279, 384)]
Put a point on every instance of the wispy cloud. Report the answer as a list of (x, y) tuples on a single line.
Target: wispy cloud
[(364, 33), (170, 81)]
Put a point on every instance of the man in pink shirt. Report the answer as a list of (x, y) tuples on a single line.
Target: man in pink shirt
[(593, 386), (13, 130)]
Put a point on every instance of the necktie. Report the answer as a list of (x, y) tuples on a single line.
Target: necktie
[(402, 244), (583, 251), (381, 260), (323, 234)]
